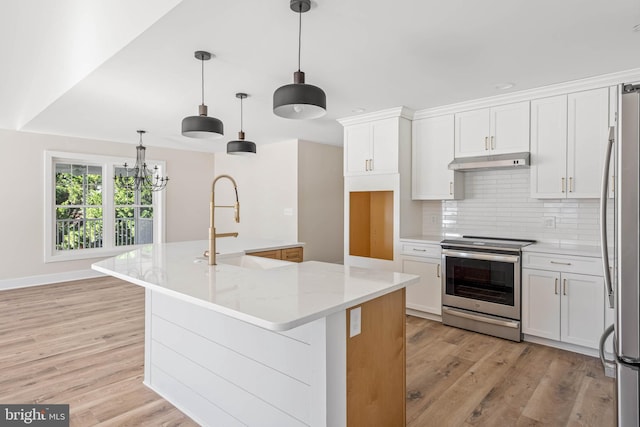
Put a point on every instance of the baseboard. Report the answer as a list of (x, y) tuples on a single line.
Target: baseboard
[(424, 315), (46, 279), (561, 345)]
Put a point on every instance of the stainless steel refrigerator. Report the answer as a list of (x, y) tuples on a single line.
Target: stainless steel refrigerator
[(620, 254)]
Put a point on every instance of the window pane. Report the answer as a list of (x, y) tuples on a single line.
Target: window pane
[(78, 228), (124, 194), (134, 225), (78, 184)]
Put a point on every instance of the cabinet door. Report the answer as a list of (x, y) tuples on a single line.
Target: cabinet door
[(357, 148), (549, 147), (541, 303), (510, 128), (588, 131), (426, 294), (385, 140), (582, 309), (432, 151), (472, 133)]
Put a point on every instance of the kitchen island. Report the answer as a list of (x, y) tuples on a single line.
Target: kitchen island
[(255, 341)]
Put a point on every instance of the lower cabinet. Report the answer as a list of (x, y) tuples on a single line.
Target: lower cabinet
[(563, 306), (425, 295), (294, 254)]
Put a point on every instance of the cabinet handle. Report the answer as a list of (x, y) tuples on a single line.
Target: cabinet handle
[(438, 271), (556, 287), (570, 184), (561, 263), (493, 144), (563, 184), (370, 164), (450, 188), (366, 164), (419, 250), (564, 283), (486, 142)]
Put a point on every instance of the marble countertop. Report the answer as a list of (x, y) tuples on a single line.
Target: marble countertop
[(279, 298), (564, 249), (434, 239)]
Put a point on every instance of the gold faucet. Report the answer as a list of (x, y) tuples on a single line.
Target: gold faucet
[(211, 253)]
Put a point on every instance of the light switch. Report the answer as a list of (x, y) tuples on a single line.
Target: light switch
[(355, 318)]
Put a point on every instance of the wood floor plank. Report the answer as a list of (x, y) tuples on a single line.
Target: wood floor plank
[(82, 343)]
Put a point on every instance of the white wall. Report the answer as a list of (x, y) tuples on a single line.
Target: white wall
[(498, 203), (290, 190), (267, 185), (321, 201), (22, 198)]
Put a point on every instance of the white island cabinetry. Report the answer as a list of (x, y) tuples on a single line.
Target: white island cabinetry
[(257, 341)]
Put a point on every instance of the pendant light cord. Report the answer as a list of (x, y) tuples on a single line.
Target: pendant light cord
[(241, 114), (299, 33), (202, 75)]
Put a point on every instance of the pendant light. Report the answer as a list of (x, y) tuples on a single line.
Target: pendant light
[(299, 100), (202, 126), (241, 146)]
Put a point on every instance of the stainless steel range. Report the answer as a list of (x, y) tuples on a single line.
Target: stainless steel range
[(481, 284)]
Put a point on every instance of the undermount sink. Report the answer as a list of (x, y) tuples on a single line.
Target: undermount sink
[(253, 262)]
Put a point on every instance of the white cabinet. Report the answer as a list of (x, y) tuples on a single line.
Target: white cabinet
[(423, 260), (562, 305), (432, 151), (568, 137), (497, 130), (372, 147)]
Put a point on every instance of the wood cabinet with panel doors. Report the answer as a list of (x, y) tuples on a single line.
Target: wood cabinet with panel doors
[(568, 138), (496, 130), (293, 254), (560, 303), (432, 151), (423, 260)]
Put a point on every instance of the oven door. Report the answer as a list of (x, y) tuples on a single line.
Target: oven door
[(483, 282)]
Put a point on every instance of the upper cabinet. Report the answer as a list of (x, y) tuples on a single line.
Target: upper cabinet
[(497, 130), (432, 150), (372, 146), (568, 137)]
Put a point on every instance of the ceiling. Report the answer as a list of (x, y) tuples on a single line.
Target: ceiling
[(102, 69)]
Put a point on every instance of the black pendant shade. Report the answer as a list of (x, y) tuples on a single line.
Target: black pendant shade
[(299, 100), (202, 126), (241, 146)]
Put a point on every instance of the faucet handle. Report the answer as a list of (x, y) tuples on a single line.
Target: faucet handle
[(237, 211)]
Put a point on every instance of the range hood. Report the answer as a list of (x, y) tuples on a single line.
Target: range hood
[(498, 161)]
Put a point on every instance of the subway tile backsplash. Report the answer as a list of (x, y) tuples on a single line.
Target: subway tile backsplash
[(498, 203)]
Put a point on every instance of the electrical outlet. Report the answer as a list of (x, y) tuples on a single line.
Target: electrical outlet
[(549, 222), (355, 319)]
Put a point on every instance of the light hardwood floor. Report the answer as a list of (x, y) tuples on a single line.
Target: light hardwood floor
[(82, 343)]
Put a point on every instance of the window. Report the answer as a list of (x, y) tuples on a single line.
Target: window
[(90, 215)]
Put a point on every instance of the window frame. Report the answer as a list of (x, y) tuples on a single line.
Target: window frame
[(108, 165)]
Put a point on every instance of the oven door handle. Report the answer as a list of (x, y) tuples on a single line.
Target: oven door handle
[(513, 259)]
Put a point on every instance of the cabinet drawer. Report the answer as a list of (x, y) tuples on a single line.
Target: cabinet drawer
[(292, 254), (427, 251), (563, 263)]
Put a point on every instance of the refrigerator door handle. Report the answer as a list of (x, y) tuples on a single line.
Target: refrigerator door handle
[(604, 195), (608, 364)]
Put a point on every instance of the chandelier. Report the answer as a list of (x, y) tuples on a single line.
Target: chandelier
[(140, 177)]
